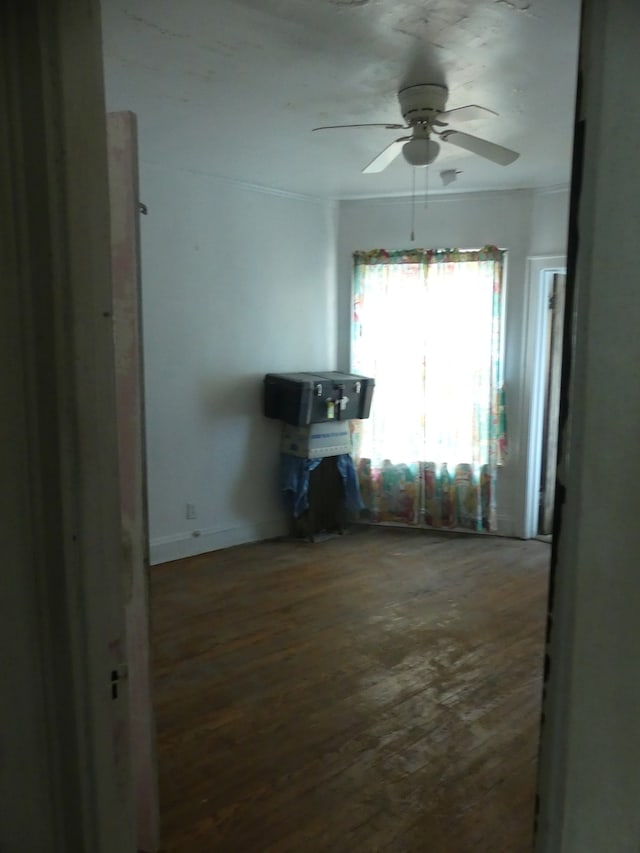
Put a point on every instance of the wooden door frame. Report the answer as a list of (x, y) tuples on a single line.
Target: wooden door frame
[(67, 552), (589, 779)]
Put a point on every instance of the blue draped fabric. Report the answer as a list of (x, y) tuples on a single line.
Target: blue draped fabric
[(294, 481)]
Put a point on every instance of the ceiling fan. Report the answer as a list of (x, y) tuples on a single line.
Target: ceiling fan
[(423, 109)]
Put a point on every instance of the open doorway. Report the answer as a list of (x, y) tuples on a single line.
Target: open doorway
[(197, 284), (552, 367), (546, 281)]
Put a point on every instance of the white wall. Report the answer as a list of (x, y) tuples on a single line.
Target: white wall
[(466, 221), (549, 221), (237, 282)]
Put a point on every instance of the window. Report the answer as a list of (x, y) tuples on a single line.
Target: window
[(427, 326)]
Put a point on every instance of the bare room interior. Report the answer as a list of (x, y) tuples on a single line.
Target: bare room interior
[(374, 690), (183, 673)]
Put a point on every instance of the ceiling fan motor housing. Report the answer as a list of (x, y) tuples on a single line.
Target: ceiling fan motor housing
[(421, 104)]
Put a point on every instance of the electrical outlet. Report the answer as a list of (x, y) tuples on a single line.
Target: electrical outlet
[(191, 511)]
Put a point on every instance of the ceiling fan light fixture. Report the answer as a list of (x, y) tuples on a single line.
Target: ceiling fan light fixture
[(420, 152)]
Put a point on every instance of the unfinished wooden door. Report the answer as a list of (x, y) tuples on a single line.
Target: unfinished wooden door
[(125, 250)]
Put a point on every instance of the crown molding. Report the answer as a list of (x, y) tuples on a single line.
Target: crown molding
[(437, 198), (554, 189), (448, 195), (243, 185), (434, 195)]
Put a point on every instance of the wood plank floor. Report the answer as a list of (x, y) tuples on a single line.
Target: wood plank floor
[(374, 692)]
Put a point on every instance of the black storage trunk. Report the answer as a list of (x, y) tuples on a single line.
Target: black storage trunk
[(312, 398)]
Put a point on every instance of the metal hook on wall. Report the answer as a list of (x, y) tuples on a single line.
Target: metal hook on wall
[(143, 208)]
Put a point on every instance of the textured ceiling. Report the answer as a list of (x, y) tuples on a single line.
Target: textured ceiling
[(233, 87)]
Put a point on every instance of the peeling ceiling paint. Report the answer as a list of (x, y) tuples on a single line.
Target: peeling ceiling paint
[(234, 87)]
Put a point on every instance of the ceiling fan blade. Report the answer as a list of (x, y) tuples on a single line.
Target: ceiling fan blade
[(389, 126), (387, 156), (489, 150), (468, 113)]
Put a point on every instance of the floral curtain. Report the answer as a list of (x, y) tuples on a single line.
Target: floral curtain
[(427, 325)]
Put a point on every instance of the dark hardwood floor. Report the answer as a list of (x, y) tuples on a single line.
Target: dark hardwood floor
[(374, 692)]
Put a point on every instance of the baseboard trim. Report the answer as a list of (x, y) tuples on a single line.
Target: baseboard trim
[(505, 526), (165, 549)]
